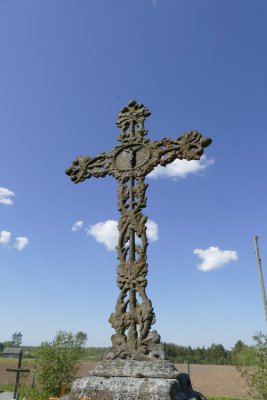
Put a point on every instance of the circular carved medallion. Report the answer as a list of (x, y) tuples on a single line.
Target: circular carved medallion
[(131, 156)]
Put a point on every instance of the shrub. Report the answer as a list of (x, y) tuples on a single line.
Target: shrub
[(58, 362), (256, 376)]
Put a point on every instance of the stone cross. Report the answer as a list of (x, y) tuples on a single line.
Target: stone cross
[(129, 163)]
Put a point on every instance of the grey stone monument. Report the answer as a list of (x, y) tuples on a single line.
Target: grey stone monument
[(135, 368)]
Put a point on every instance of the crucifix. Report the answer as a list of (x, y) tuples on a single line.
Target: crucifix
[(18, 371), (129, 163)]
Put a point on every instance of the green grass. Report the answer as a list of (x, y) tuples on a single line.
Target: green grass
[(6, 388), (15, 360), (25, 392), (222, 398)]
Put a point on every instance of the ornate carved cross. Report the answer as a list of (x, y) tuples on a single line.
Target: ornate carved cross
[(129, 163)]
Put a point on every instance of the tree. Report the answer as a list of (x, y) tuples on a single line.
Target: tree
[(238, 346), (81, 338), (8, 343), (216, 354), (17, 339), (1, 347), (58, 362), (242, 354)]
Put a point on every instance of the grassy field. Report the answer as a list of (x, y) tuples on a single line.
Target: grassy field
[(218, 382)]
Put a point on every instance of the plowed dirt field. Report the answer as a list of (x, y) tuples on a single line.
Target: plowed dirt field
[(211, 380)]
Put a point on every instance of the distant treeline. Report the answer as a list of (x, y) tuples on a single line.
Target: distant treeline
[(215, 354), (89, 353), (94, 353)]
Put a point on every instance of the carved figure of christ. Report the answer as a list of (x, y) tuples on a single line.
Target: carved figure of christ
[(129, 163)]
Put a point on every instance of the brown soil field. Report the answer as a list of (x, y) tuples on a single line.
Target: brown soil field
[(211, 380)]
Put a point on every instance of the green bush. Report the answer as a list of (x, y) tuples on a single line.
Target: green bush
[(58, 362), (256, 375)]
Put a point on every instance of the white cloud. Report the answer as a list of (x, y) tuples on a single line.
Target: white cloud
[(5, 237), (107, 232), (152, 230), (21, 242), (5, 195), (181, 168), (214, 258), (77, 226)]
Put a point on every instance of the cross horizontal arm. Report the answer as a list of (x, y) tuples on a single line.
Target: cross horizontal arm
[(189, 146), (85, 167), (17, 370)]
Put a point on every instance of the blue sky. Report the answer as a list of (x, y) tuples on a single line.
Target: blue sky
[(67, 68)]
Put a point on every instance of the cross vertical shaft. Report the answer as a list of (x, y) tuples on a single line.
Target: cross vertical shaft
[(132, 329)]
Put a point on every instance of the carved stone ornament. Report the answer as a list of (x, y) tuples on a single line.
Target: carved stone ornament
[(129, 163)]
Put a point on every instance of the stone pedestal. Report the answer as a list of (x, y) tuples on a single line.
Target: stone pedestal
[(132, 380)]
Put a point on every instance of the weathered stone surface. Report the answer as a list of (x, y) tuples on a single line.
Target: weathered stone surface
[(127, 388), (132, 380), (136, 369), (123, 388)]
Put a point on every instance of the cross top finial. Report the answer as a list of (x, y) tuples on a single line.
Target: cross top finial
[(129, 118)]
